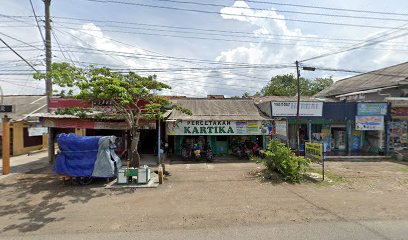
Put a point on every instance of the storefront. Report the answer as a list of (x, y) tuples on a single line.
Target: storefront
[(223, 136), (370, 121), (345, 128), (225, 125)]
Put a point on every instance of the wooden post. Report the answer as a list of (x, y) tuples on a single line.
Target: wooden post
[(160, 173), (6, 145)]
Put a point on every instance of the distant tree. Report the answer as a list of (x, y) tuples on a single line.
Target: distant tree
[(246, 95), (286, 85), (131, 95), (319, 84)]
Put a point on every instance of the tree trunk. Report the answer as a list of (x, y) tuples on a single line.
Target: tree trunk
[(135, 157)]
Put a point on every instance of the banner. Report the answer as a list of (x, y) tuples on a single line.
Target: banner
[(286, 109), (37, 131), (372, 109), (281, 130), (369, 123), (314, 151), (214, 127)]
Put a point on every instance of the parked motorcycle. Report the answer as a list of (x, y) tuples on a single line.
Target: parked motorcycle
[(197, 154), (185, 153), (209, 155)]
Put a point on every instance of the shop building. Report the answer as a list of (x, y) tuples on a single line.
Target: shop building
[(223, 124), (110, 124), (345, 128), (386, 85), (26, 135)]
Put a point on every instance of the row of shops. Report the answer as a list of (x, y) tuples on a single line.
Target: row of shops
[(230, 126)]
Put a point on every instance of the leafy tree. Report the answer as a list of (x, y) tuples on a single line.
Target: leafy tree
[(321, 83), (286, 85), (130, 95)]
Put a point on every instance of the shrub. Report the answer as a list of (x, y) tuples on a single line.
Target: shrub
[(280, 158)]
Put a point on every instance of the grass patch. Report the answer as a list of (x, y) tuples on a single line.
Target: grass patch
[(404, 169), (330, 177)]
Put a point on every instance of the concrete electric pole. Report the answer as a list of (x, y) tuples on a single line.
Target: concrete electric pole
[(297, 109), (48, 82)]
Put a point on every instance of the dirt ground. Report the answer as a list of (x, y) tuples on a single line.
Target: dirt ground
[(204, 195)]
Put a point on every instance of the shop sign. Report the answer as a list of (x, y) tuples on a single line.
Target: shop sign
[(215, 127), (287, 109), (6, 108), (372, 109), (37, 131), (314, 151), (369, 123)]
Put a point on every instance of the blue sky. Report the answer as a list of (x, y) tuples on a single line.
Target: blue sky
[(166, 42)]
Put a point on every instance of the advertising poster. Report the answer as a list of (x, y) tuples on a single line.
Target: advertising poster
[(281, 130), (369, 123), (372, 109), (326, 138), (356, 140)]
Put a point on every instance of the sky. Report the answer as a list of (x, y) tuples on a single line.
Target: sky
[(204, 47)]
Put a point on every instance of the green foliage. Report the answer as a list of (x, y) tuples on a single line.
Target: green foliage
[(280, 158), (131, 95), (125, 90), (286, 85), (74, 111)]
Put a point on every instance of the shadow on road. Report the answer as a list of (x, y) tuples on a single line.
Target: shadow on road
[(30, 200)]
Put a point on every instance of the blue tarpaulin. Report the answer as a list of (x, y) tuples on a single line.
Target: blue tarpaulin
[(77, 155)]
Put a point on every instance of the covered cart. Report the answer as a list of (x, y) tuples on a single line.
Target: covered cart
[(85, 158)]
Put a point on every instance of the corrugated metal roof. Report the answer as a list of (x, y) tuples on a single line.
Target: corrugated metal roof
[(218, 109), (385, 77), (25, 104), (258, 100)]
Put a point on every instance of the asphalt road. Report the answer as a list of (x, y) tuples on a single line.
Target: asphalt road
[(364, 230)]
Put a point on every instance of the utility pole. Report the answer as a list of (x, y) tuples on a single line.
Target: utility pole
[(6, 145), (297, 109), (48, 82)]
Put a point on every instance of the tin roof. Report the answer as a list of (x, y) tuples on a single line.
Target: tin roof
[(218, 109), (259, 100), (385, 77)]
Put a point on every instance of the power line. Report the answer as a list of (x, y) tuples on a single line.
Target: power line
[(36, 20), (231, 40), (267, 10), (245, 15), (22, 58), (206, 30), (328, 8), (368, 42)]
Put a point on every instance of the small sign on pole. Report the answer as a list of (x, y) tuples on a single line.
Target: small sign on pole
[(6, 108), (314, 152)]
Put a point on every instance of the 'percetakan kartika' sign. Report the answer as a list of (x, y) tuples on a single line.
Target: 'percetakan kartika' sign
[(213, 127)]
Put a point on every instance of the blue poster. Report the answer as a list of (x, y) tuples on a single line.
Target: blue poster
[(372, 109)]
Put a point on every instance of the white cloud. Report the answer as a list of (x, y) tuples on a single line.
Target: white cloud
[(266, 23)]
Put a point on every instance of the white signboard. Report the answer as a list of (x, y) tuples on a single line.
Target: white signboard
[(37, 131), (215, 127), (369, 122), (287, 109)]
